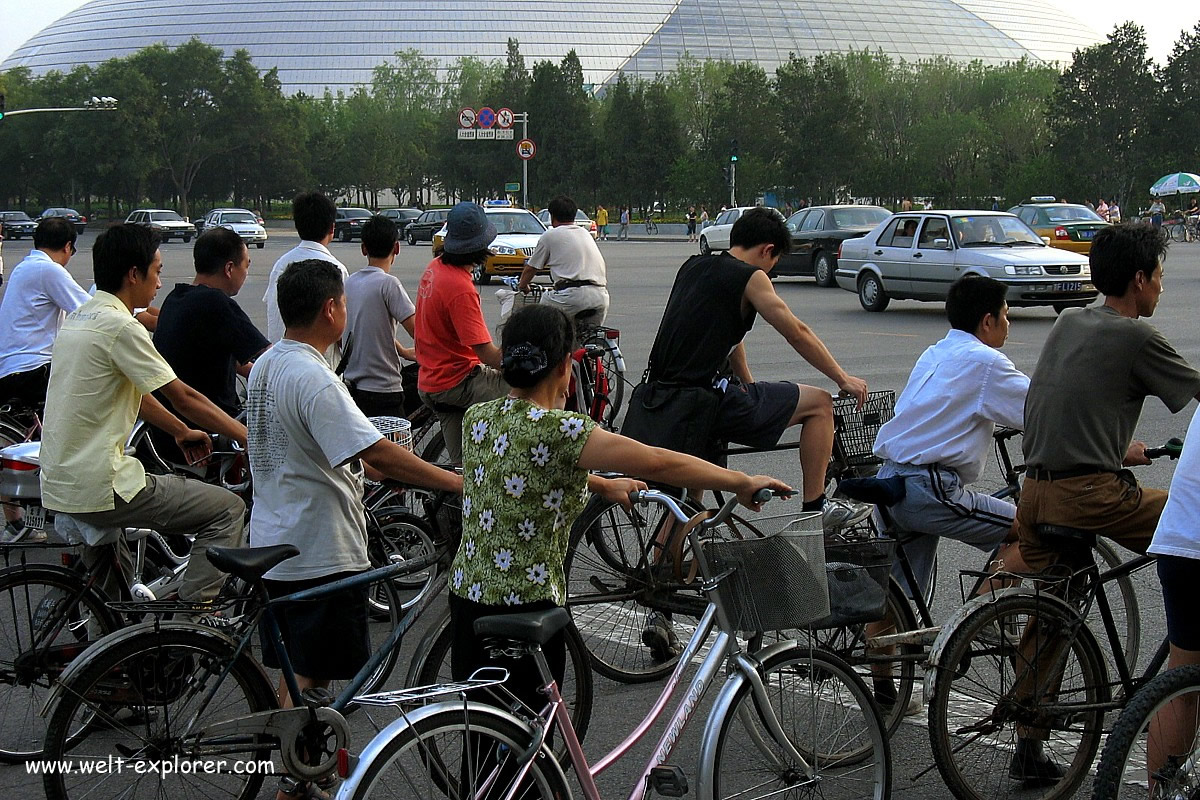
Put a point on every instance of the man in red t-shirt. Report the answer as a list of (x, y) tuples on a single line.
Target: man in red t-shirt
[(459, 363)]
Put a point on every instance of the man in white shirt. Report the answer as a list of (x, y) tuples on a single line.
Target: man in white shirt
[(576, 266), (939, 439), (313, 215)]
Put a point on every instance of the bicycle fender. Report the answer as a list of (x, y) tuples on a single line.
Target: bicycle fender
[(217, 640), (375, 747)]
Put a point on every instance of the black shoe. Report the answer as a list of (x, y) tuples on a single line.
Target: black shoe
[(1032, 766)]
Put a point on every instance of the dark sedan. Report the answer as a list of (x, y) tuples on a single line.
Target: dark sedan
[(425, 226), (77, 219), (15, 224), (349, 223), (400, 216), (818, 232)]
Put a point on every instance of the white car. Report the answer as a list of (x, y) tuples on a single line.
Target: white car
[(715, 237), (517, 234), (917, 255), (167, 224), (581, 219), (241, 221)]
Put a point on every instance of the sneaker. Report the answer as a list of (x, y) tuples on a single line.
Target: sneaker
[(1032, 766), (659, 636), (213, 619), (839, 514), (25, 535)]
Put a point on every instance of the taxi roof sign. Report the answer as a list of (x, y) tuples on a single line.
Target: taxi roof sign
[(1043, 198), (497, 203)]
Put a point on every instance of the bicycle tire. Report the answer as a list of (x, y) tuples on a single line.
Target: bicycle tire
[(968, 695), (613, 390), (1175, 232), (41, 606), (1124, 768), (856, 764), (1126, 611), (159, 676), (402, 768), (401, 536), (576, 689)]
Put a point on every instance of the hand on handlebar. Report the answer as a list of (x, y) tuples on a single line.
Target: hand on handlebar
[(750, 496), (1136, 456), (196, 445), (617, 490), (854, 387)]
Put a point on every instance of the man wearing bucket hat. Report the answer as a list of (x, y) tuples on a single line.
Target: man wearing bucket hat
[(459, 362)]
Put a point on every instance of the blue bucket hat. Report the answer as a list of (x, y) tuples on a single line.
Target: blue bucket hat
[(467, 229)]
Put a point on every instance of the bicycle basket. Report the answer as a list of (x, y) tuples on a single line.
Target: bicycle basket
[(775, 581), (858, 573), (854, 429), (395, 429)]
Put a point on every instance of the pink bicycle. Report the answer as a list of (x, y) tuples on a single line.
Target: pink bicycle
[(789, 721)]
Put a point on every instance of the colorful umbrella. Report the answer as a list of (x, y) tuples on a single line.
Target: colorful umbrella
[(1176, 183)]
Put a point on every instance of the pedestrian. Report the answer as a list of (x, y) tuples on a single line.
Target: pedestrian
[(691, 223), (602, 221), (1156, 211), (623, 233), (1102, 209), (703, 217), (906, 204), (1114, 212)]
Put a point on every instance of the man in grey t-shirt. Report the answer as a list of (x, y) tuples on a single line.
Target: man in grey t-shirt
[(375, 303)]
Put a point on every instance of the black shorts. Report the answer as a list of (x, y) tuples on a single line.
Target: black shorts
[(27, 387), (326, 638), (756, 414), (1179, 578)]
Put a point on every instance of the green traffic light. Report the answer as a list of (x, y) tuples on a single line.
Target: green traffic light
[(733, 158)]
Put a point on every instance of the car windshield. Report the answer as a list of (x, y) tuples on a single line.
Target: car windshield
[(166, 216), (993, 231), (520, 222), (17, 216), (239, 216), (844, 218), (1072, 214), (581, 217), (356, 213)]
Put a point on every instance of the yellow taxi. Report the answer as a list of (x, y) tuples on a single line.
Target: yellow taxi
[(517, 234), (1067, 226)]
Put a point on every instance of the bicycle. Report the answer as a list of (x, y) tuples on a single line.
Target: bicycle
[(1024, 657), (787, 719), (651, 225)]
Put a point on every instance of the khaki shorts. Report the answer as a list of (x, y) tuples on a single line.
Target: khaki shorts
[(481, 384)]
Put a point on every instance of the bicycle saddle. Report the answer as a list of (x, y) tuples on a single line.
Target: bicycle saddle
[(879, 491), (536, 627), (250, 563)]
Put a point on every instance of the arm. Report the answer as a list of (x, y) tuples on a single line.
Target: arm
[(148, 318), (195, 444), (739, 365), (526, 278), (200, 410), (407, 353), (488, 353), (395, 462), (761, 294)]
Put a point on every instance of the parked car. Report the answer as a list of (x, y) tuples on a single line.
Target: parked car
[(581, 219), (15, 224), (400, 216), (1067, 225), (818, 232), (79, 220), (517, 234), (425, 226), (917, 255), (716, 236), (349, 222), (167, 224), (239, 220)]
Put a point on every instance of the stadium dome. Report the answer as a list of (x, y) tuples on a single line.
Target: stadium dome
[(319, 44)]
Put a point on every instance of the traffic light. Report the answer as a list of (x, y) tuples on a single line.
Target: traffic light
[(1, 106), (733, 150)]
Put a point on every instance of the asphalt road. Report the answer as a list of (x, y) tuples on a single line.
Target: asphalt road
[(881, 348)]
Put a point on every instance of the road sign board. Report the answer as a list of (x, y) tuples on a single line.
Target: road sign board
[(466, 118), (504, 133), (504, 118), (512, 187), (525, 149), (467, 133), (486, 117), (486, 133)]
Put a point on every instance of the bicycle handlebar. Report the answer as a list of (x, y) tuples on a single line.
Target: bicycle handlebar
[(672, 505), (1173, 448)]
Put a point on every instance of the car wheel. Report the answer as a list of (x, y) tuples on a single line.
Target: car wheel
[(704, 248), (871, 293), (261, 245), (187, 239), (480, 274), (823, 268), (412, 239)]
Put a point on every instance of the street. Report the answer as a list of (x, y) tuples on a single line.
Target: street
[(881, 348)]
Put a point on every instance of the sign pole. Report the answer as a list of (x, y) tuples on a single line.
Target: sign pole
[(525, 163), (732, 184)]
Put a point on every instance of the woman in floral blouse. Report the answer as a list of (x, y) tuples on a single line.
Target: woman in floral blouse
[(525, 480)]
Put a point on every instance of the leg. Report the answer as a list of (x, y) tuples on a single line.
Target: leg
[(814, 413)]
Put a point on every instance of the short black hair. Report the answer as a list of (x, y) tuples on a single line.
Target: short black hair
[(314, 215), (563, 209), (215, 248), (379, 236), (464, 259), (1119, 252), (54, 233), (303, 289), (973, 297), (117, 250), (533, 342), (761, 225)]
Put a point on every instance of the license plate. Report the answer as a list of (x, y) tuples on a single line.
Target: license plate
[(1086, 234), (1073, 286), (35, 517)]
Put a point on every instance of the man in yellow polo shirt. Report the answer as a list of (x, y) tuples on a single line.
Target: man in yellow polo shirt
[(102, 371)]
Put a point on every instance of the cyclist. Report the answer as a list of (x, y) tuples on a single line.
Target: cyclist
[(575, 263), (307, 444), (1095, 371), (526, 466)]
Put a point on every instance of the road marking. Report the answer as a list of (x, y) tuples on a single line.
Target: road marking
[(896, 335)]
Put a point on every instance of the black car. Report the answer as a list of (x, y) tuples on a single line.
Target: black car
[(15, 224), (79, 220), (425, 226), (349, 223), (818, 232), (401, 216)]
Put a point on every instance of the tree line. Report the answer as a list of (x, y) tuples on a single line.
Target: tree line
[(195, 128)]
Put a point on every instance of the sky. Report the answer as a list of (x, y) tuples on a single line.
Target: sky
[(21, 19)]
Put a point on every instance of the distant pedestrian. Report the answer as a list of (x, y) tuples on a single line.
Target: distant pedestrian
[(703, 217), (623, 233), (1114, 213), (1157, 210), (691, 223), (602, 222), (1102, 209), (906, 204)]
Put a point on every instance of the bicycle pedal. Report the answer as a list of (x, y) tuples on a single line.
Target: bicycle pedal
[(317, 697), (668, 780)]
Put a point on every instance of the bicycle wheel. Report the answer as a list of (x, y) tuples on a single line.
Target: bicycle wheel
[(826, 712), (139, 704), (610, 384), (459, 753), (1125, 609), (1175, 232), (379, 633), (976, 704), (401, 536), (1171, 705), (47, 617), (576, 687)]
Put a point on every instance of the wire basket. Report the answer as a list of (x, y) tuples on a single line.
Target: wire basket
[(776, 581), (858, 574), (530, 298), (854, 429), (395, 429)]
